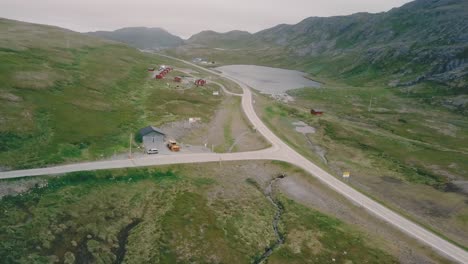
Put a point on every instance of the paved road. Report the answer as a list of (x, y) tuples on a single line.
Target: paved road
[(224, 89), (278, 151)]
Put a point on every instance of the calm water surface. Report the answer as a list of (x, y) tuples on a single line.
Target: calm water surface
[(268, 80)]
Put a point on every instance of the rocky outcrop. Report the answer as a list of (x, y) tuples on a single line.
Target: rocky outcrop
[(424, 40)]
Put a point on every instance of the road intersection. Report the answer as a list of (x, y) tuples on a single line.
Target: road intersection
[(278, 151)]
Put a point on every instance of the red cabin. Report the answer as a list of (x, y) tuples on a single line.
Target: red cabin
[(200, 82), (177, 79), (163, 73), (316, 112)]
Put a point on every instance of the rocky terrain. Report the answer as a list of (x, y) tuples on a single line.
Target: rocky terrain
[(424, 40)]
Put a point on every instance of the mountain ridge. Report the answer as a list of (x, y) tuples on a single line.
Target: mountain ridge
[(423, 40), (142, 37)]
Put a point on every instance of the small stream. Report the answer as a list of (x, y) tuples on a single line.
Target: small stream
[(82, 253), (123, 237), (279, 211)]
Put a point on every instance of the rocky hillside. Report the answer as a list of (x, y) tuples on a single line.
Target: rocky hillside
[(424, 40), (142, 38)]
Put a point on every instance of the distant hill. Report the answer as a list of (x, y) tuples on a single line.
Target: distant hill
[(142, 37), (424, 40), (231, 39)]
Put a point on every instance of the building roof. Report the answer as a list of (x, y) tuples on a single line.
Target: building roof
[(149, 129)]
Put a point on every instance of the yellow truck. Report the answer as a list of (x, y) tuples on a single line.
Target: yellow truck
[(172, 145)]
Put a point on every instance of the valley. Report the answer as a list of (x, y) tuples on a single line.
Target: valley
[(338, 139)]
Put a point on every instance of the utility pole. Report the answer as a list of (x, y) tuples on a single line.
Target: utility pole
[(130, 146)]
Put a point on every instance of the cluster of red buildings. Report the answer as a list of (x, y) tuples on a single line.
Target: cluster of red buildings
[(163, 72)]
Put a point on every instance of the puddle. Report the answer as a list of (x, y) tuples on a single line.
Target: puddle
[(303, 128)]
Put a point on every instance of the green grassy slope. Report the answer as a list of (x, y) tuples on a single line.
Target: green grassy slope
[(67, 96), (200, 214), (404, 153)]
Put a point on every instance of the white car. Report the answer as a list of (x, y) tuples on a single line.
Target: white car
[(152, 151)]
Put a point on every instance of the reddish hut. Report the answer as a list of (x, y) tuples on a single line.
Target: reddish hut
[(200, 82), (316, 112)]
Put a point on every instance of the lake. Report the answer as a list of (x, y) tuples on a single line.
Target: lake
[(268, 80)]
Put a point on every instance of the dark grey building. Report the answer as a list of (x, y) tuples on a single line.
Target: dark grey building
[(152, 137)]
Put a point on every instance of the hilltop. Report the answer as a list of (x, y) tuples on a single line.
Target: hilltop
[(231, 39), (142, 37)]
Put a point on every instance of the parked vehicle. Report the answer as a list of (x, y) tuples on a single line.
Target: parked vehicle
[(172, 145), (152, 151)]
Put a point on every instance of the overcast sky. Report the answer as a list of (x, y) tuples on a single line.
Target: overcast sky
[(182, 17)]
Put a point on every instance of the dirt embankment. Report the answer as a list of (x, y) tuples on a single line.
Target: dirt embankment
[(228, 131)]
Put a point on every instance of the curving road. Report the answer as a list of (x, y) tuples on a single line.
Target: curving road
[(278, 151)]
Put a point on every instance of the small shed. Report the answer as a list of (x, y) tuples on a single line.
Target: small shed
[(151, 69), (316, 112), (151, 136), (200, 82), (159, 76), (177, 79)]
